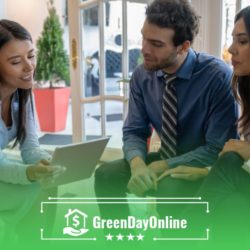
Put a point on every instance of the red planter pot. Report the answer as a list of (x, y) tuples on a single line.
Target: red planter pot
[(52, 108)]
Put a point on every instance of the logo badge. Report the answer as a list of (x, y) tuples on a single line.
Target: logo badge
[(76, 223)]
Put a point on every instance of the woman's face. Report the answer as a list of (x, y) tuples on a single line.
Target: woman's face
[(17, 64), (240, 49)]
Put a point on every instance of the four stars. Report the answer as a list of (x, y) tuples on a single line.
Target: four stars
[(121, 237)]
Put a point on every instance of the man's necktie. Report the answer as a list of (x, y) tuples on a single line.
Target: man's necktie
[(169, 119)]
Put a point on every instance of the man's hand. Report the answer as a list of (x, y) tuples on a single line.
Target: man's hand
[(142, 178), (158, 167), (240, 147), (185, 173)]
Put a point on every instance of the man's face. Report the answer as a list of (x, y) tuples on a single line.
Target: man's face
[(158, 49)]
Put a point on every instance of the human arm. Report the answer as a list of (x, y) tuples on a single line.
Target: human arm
[(218, 124), (16, 172), (12, 171), (238, 146), (136, 130), (35, 165), (30, 149), (40, 168), (185, 172)]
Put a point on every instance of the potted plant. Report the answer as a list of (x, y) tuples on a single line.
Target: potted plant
[(52, 75)]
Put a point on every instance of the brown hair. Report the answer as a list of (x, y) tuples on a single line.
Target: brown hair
[(241, 84), (177, 15), (10, 30)]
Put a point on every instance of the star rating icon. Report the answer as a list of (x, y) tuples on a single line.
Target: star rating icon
[(120, 237), (109, 237), (140, 237), (130, 237)]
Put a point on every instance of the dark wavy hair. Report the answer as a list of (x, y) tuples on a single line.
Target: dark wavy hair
[(241, 84), (10, 30), (177, 15)]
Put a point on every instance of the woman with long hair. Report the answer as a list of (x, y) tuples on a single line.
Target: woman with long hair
[(231, 172), (18, 179), (227, 186)]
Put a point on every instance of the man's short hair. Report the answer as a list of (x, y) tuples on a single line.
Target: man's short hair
[(177, 15)]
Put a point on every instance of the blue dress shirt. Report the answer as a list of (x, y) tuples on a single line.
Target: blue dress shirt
[(207, 111)]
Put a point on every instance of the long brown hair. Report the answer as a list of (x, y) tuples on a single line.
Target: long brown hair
[(241, 90), (241, 84), (10, 30)]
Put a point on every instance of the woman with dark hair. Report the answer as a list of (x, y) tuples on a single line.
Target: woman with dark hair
[(18, 180), (231, 173), (227, 187)]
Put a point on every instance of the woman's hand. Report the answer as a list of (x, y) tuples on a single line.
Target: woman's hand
[(185, 173), (240, 147), (43, 171)]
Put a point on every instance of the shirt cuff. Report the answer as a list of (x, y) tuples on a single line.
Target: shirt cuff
[(132, 154), (175, 161)]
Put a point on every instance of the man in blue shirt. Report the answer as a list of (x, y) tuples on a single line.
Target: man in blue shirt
[(206, 110)]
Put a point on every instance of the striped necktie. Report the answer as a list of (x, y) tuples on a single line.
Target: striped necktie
[(169, 119)]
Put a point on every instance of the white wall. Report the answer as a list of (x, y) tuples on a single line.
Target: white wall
[(30, 13), (209, 37)]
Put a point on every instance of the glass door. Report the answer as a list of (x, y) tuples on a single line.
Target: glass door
[(105, 41)]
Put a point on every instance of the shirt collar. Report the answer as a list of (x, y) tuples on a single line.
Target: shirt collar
[(186, 69)]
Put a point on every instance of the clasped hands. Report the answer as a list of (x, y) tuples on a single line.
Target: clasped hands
[(44, 172), (145, 178)]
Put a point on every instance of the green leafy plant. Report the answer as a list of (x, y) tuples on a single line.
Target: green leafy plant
[(52, 59)]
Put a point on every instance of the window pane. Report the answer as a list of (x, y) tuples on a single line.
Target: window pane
[(136, 17), (113, 47), (114, 123), (229, 10), (92, 119), (245, 3), (90, 43)]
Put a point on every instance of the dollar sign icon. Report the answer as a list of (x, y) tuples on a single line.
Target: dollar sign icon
[(76, 221)]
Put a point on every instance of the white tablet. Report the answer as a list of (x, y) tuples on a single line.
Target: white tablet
[(79, 159)]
